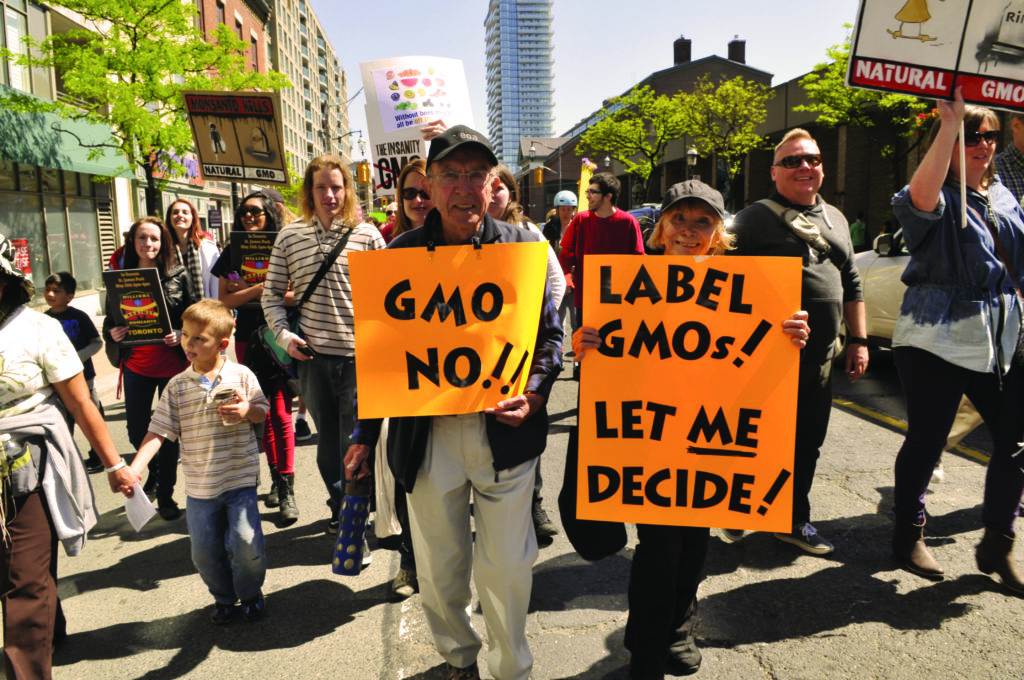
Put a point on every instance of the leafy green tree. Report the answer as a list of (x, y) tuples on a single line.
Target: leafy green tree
[(835, 103), (720, 119), (129, 73), (635, 130)]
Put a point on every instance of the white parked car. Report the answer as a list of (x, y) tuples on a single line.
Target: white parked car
[(880, 271)]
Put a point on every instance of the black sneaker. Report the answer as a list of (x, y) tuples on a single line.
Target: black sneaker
[(253, 610), (223, 614), (169, 510), (93, 464), (302, 431), (807, 538)]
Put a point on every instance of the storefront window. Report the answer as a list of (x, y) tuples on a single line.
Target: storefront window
[(56, 234), (70, 183), (7, 177), (21, 218), (51, 179), (83, 230), (28, 179)]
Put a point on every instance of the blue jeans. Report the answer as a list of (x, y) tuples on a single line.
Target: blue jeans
[(328, 385), (227, 544)]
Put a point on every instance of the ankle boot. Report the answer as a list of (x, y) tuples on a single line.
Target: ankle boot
[(286, 492), (684, 657), (909, 549), (995, 554), (273, 496)]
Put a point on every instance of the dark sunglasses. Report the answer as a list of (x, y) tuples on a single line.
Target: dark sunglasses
[(410, 194), (254, 212), (792, 162), (974, 138)]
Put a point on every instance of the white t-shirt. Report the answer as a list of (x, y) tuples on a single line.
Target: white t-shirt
[(34, 353)]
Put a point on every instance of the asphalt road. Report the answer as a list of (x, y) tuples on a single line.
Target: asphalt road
[(136, 608)]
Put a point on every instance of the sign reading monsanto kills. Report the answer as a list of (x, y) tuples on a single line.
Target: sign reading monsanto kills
[(687, 411), (930, 47), (446, 331)]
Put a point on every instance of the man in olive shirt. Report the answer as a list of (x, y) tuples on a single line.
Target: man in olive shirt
[(796, 222)]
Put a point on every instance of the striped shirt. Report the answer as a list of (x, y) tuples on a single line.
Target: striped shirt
[(326, 319), (215, 457), (1010, 167)]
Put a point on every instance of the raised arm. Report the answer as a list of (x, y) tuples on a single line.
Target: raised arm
[(926, 184)]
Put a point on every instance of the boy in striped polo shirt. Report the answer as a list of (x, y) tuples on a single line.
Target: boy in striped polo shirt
[(212, 407)]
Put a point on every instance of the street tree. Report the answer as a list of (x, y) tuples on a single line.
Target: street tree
[(634, 129), (721, 117), (878, 113), (127, 72)]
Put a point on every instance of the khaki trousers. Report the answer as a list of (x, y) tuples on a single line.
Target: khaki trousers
[(458, 468)]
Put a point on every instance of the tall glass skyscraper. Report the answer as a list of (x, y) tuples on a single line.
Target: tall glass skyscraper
[(519, 61)]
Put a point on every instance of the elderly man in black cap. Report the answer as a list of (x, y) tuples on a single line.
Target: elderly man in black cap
[(446, 462)]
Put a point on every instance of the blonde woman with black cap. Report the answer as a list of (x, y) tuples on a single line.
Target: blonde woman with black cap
[(668, 563)]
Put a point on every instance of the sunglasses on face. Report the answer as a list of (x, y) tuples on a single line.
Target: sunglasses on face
[(975, 138), (795, 161), (390, 212), (251, 212), (410, 194)]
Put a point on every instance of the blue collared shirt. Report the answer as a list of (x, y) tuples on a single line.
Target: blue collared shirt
[(960, 302)]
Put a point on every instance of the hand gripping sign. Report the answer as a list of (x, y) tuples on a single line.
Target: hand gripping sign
[(445, 331), (688, 410)]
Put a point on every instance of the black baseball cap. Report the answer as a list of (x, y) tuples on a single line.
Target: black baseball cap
[(694, 188), (455, 137), (273, 194)]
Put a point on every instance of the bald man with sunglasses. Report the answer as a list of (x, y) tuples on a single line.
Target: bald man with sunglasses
[(796, 222)]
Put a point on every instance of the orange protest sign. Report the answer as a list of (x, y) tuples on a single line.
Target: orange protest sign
[(446, 331), (687, 411)]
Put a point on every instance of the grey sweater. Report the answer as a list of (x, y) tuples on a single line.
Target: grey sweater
[(63, 477)]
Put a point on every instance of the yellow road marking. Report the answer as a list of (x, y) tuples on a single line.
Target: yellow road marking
[(901, 425)]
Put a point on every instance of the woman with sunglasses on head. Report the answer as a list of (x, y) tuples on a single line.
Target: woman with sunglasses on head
[(145, 369), (959, 332), (196, 252), (668, 563), (413, 201), (257, 212)]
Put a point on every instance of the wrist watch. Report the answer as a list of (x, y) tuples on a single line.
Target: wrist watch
[(856, 340)]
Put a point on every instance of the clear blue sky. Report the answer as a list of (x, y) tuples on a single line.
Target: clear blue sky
[(601, 47)]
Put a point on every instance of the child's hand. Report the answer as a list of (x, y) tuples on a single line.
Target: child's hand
[(234, 412), (118, 333)]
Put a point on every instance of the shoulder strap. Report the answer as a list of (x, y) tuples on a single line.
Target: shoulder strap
[(1001, 253), (324, 266), (775, 207)]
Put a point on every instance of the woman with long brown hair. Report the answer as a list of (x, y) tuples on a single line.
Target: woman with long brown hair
[(959, 332), (195, 251), (145, 369)]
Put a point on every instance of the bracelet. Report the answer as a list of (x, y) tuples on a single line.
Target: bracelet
[(116, 466), (856, 340)]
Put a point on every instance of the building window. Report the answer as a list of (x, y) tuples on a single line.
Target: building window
[(221, 19), (238, 27), (255, 54), (14, 31)]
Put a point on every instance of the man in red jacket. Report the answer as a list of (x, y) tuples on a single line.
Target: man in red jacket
[(604, 229)]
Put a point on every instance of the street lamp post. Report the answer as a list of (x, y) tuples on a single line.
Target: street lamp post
[(691, 163)]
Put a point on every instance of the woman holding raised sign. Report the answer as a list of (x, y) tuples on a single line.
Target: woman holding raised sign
[(959, 331), (257, 212), (668, 563), (147, 368)]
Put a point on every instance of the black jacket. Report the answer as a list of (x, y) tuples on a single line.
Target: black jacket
[(178, 297), (510, 446), (827, 282)]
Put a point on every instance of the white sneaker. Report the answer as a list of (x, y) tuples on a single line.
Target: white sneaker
[(938, 474), (367, 558)]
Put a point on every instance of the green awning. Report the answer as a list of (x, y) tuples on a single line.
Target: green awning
[(31, 138)]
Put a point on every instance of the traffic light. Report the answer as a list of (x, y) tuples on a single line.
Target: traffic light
[(538, 176), (363, 172)]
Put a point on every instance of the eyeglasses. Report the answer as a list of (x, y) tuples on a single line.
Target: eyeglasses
[(595, 192), (793, 162), (410, 194), (390, 212), (975, 138), (476, 178), (251, 212)]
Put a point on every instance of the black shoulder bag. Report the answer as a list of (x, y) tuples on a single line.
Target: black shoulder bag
[(270, 355)]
